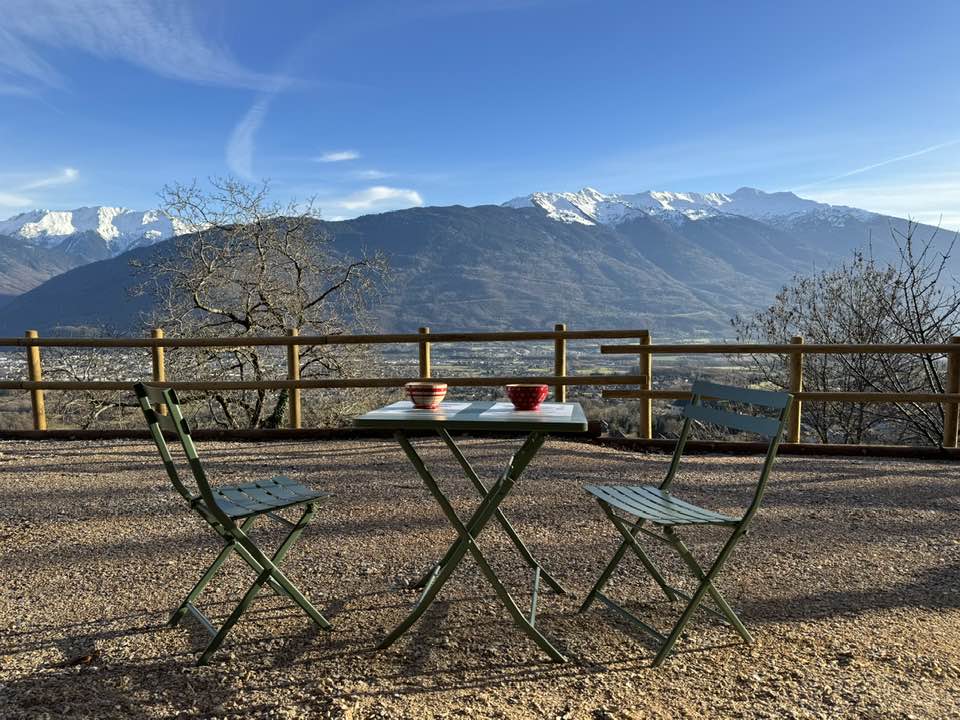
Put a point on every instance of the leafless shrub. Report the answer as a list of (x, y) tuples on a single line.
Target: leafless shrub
[(911, 299)]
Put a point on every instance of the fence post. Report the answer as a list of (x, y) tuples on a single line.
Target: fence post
[(796, 385), (35, 373), (293, 373), (645, 431), (560, 363), (950, 408), (424, 354), (159, 369)]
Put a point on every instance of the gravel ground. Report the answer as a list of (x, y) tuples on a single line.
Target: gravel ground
[(850, 581)]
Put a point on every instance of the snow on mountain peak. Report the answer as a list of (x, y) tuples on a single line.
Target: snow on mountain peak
[(590, 206), (120, 228)]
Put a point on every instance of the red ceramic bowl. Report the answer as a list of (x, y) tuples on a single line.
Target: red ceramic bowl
[(426, 395), (527, 397)]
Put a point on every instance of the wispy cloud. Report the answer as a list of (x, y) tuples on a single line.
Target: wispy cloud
[(931, 199), (18, 185), (10, 200), (161, 36), (377, 199), (371, 174), (338, 156), (241, 143), (65, 176), (882, 163)]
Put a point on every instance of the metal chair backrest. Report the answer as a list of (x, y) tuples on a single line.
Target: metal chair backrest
[(152, 398), (770, 427)]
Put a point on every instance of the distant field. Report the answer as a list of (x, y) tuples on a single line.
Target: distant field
[(14, 410)]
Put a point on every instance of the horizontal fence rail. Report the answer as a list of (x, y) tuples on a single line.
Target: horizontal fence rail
[(292, 342), (867, 397), (793, 348), (486, 381), (311, 340)]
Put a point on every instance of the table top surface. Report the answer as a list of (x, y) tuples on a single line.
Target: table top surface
[(486, 415)]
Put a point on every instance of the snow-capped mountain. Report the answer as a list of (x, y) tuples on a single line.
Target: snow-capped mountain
[(592, 207), (119, 228), (679, 263)]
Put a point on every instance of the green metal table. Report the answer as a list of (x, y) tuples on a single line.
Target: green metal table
[(484, 417)]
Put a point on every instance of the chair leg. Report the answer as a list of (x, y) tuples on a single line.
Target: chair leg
[(684, 552), (695, 600), (231, 620), (629, 541), (211, 571), (268, 574), (607, 572), (629, 536), (276, 575), (300, 599)]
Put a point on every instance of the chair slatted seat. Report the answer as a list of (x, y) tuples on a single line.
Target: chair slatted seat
[(658, 506), (222, 508), (265, 496), (661, 508)]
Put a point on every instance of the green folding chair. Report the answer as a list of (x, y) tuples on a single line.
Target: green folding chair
[(231, 512), (658, 506)]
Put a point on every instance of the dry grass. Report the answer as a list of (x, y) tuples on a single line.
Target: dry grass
[(850, 582)]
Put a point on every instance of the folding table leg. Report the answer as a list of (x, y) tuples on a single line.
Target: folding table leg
[(517, 464), (466, 540), (518, 617), (501, 518), (444, 569)]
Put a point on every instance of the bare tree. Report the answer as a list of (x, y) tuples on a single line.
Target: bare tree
[(251, 267), (911, 299)]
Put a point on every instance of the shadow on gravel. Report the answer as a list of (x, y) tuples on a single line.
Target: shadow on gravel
[(106, 690), (75, 639), (934, 588)]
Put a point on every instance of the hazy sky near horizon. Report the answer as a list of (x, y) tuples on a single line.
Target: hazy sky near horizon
[(372, 106)]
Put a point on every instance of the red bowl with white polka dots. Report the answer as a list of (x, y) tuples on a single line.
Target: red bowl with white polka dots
[(527, 397)]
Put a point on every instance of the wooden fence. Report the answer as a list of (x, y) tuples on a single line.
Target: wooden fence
[(796, 349), (424, 340), (641, 346)]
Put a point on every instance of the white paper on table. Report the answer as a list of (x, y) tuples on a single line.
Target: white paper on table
[(506, 409), (405, 406)]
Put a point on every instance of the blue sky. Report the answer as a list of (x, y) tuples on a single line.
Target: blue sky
[(371, 106)]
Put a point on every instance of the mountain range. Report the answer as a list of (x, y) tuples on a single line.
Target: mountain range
[(113, 229), (37, 245), (680, 263), (592, 207)]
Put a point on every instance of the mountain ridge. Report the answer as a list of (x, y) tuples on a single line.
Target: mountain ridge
[(71, 238), (681, 262), (498, 267), (590, 206), (120, 228)]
